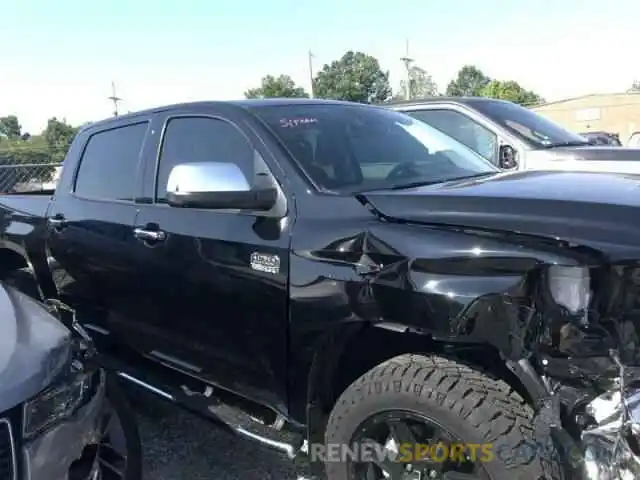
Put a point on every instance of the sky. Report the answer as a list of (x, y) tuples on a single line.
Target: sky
[(59, 58)]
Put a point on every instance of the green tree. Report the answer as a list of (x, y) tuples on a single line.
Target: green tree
[(469, 82), (511, 91), (273, 87), (25, 159), (10, 127), (356, 77), (58, 136), (421, 84)]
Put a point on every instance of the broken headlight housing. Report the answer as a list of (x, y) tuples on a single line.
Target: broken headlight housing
[(57, 403), (570, 287)]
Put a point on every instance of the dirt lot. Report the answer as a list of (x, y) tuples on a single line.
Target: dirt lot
[(178, 445)]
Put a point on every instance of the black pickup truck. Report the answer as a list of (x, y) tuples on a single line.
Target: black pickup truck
[(346, 283)]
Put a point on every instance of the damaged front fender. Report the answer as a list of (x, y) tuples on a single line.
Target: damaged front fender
[(475, 288), (453, 287), (449, 286)]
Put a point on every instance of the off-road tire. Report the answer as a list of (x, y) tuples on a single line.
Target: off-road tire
[(473, 405)]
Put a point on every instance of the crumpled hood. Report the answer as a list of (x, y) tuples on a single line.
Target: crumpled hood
[(600, 210), (34, 347)]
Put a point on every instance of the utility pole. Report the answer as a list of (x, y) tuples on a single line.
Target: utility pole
[(407, 65), (311, 71), (114, 98)]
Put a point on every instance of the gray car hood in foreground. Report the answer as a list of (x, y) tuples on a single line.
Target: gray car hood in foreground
[(34, 347)]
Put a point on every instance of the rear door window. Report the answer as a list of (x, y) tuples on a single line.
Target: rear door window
[(109, 163)]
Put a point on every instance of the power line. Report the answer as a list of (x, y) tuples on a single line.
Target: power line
[(311, 57), (114, 98), (407, 65)]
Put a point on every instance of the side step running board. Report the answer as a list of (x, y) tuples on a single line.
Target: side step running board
[(231, 419), (146, 386)]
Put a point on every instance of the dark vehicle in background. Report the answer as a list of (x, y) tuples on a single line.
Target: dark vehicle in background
[(57, 422), (516, 138), (312, 274), (602, 138)]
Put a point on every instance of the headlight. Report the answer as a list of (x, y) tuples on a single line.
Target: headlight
[(55, 404), (570, 287)]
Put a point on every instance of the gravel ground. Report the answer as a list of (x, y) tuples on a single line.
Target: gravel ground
[(178, 445)]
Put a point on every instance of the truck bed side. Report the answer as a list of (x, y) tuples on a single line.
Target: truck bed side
[(23, 224), (28, 204)]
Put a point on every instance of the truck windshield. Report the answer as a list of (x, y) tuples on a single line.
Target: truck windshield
[(533, 129), (352, 148)]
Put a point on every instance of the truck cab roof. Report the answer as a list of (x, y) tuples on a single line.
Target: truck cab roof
[(241, 103)]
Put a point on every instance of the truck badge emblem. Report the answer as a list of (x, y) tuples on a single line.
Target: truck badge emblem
[(264, 262)]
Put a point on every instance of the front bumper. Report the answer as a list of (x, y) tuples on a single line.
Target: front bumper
[(50, 456)]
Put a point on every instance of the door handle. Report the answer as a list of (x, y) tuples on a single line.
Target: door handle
[(149, 235)]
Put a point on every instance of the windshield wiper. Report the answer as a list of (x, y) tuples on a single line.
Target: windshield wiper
[(570, 143), (404, 186)]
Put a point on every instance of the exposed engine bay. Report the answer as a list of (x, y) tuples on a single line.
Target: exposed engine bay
[(611, 443), (588, 354)]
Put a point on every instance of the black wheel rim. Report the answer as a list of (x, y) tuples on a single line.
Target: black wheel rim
[(385, 432), (112, 451)]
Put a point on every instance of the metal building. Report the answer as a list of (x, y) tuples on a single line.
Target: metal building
[(615, 113)]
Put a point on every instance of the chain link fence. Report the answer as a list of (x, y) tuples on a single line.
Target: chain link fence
[(19, 174), (28, 177)]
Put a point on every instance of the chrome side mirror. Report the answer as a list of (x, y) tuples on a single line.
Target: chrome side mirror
[(216, 185)]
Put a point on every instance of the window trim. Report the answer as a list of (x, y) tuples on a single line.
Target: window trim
[(279, 210), (74, 180)]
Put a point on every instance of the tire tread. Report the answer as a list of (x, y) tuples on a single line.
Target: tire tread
[(492, 407)]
